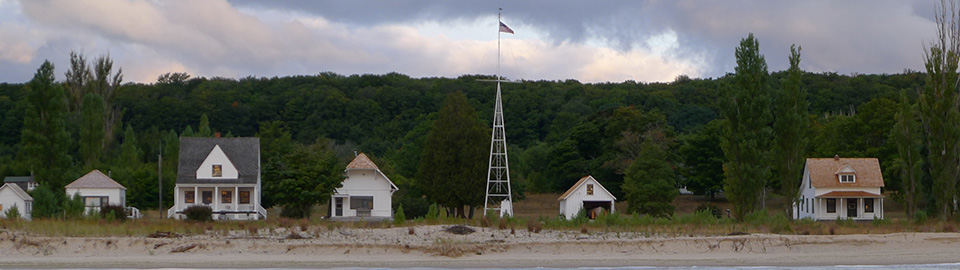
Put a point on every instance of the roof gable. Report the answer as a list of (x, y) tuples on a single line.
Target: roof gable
[(583, 181), (17, 190), (824, 172), (243, 153), (95, 179), (216, 159), (362, 162)]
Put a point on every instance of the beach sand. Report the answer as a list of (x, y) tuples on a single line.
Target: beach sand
[(430, 246)]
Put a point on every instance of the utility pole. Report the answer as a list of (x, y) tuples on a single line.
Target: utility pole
[(160, 176)]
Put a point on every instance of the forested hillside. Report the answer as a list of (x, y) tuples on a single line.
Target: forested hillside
[(557, 131)]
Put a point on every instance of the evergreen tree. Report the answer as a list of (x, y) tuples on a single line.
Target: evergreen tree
[(648, 185), (906, 134), (91, 130), (790, 129), (44, 138), (455, 155), (939, 110), (204, 128), (703, 160), (747, 132)]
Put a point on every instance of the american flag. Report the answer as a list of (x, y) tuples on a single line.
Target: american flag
[(504, 28)]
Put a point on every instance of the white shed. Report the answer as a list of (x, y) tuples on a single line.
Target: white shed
[(97, 190), (366, 192), (11, 195), (587, 194)]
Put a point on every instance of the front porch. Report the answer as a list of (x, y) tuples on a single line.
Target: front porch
[(227, 202), (855, 205)]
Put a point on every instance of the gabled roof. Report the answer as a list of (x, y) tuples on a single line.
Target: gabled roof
[(824, 172), (17, 179), (362, 162), (17, 190), (580, 183), (244, 152), (95, 179)]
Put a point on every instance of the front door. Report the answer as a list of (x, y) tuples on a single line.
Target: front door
[(338, 207), (851, 207)]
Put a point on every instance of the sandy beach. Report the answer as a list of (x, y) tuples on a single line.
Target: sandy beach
[(431, 246)]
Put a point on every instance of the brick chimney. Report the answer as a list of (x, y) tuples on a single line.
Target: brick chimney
[(835, 158), (216, 134)]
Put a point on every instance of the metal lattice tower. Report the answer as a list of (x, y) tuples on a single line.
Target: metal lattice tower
[(498, 173)]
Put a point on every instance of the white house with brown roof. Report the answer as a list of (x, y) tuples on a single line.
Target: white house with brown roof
[(97, 190), (843, 188), (587, 194), (220, 173), (11, 195), (365, 192)]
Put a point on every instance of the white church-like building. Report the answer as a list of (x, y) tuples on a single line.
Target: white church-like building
[(590, 196), (220, 173), (366, 193)]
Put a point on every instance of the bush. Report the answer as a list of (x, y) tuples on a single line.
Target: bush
[(433, 212), (113, 212), (295, 212), (398, 216), (13, 213), (73, 208), (712, 209), (920, 217), (199, 213), (46, 203)]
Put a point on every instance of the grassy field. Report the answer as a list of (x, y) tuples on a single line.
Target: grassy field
[(537, 212)]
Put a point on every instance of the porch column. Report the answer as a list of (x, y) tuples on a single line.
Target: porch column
[(196, 193), (235, 196), (216, 197)]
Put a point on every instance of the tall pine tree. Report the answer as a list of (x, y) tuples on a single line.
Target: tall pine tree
[(44, 137), (451, 170), (906, 134)]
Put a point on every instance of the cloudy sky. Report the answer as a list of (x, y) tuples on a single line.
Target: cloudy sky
[(590, 41)]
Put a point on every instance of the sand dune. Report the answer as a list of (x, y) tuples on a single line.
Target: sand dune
[(430, 246)]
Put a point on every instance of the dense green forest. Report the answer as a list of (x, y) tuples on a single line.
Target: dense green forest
[(557, 131)]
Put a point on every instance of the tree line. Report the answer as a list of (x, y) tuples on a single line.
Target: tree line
[(742, 134)]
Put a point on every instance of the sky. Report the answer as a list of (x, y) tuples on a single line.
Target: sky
[(589, 41)]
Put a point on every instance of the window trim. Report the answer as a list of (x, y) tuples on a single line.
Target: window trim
[(853, 178)]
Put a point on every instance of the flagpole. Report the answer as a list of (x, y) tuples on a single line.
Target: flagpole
[(498, 44)]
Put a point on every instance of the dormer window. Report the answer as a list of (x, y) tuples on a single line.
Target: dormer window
[(217, 170), (848, 178)]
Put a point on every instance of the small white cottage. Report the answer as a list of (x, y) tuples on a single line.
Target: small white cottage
[(12, 196), (97, 190), (365, 192), (843, 188), (587, 194), (220, 173)]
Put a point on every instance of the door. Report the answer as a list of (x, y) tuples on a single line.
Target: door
[(851, 207), (338, 207)]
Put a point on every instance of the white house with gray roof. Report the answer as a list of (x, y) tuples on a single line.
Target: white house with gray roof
[(221, 173), (97, 190), (12, 196)]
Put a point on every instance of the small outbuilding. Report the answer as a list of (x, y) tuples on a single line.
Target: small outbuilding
[(26, 183), (97, 190), (12, 196), (590, 196), (365, 193)]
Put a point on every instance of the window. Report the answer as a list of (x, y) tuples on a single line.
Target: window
[(590, 189), (207, 197), (226, 196), (868, 205), (847, 178), (831, 205), (96, 201), (217, 170), (361, 202), (189, 196), (244, 196)]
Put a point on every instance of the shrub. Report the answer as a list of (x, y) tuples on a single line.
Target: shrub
[(13, 213), (712, 209), (113, 212), (46, 204), (920, 217), (433, 212), (399, 217), (296, 212), (199, 213), (73, 207)]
